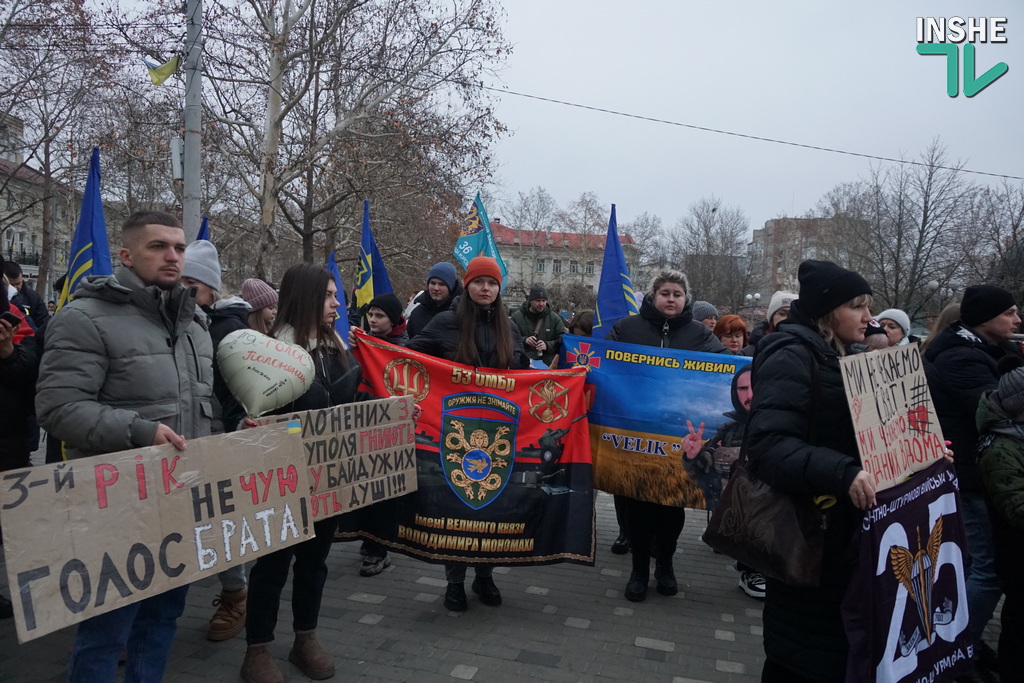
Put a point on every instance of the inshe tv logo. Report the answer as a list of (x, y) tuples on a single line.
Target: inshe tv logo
[(942, 37)]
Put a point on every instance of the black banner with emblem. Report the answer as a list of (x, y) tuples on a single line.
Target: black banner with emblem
[(906, 609)]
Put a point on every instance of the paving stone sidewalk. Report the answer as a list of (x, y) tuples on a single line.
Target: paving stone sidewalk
[(559, 622)]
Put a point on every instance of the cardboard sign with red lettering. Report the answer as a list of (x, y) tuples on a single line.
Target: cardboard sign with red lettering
[(88, 536), (897, 430), (357, 454)]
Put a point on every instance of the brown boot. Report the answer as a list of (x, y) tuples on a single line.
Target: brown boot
[(259, 666), (311, 659), (229, 619)]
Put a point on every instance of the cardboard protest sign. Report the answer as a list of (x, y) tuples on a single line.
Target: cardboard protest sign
[(905, 611), (503, 462), (357, 454), (897, 430), (88, 536), (665, 425)]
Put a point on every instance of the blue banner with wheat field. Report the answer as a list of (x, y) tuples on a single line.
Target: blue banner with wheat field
[(665, 425)]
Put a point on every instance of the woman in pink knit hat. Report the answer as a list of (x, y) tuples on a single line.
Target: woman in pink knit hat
[(263, 300)]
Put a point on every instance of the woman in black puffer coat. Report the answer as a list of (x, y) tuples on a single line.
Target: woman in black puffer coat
[(665, 320), (801, 440)]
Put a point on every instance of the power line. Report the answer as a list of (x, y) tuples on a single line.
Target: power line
[(747, 136)]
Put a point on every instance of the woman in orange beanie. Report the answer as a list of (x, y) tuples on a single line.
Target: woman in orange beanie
[(477, 331)]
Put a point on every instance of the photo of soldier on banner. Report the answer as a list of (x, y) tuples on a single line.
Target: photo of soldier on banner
[(665, 425), (504, 473)]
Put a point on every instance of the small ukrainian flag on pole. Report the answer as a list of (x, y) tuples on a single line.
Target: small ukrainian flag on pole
[(158, 73)]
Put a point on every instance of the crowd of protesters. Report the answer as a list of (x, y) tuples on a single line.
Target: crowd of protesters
[(131, 362)]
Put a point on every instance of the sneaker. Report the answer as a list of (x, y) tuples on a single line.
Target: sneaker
[(229, 619), (621, 545), (374, 565), (752, 583), (455, 598)]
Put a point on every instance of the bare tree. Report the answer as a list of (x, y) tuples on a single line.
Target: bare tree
[(533, 216), (709, 243), (908, 228), (584, 223), (998, 229), (50, 72), (648, 252), (311, 89)]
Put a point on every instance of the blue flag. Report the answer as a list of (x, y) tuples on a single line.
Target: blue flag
[(204, 230), (476, 238), (615, 296), (90, 251), (341, 322), (371, 276)]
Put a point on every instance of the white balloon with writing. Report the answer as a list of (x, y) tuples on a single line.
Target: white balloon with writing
[(263, 374)]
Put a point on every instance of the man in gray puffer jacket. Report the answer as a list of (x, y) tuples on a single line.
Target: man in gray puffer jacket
[(127, 364)]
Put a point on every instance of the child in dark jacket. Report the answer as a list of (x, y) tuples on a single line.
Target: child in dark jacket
[(1001, 465)]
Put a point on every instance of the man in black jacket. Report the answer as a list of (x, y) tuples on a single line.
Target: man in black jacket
[(961, 366), (27, 298), (442, 288)]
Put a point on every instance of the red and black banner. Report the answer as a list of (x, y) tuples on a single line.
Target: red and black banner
[(503, 462)]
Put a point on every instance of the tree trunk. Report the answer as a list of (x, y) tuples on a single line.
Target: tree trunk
[(47, 242), (271, 143)]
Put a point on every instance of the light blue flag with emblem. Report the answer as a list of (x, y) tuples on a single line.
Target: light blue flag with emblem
[(615, 296), (204, 230), (341, 322), (476, 239), (371, 276), (90, 251)]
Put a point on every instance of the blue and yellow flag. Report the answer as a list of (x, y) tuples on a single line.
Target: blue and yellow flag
[(90, 251), (476, 239), (615, 296), (204, 230), (158, 73), (341, 322), (371, 276)]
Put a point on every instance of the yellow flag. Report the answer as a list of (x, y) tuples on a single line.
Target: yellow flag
[(159, 74)]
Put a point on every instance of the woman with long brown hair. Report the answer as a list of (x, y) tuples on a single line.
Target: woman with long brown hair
[(307, 309), (476, 332)]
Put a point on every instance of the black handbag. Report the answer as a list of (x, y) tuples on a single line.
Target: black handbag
[(779, 535)]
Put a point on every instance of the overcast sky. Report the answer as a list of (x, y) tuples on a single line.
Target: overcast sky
[(839, 75)]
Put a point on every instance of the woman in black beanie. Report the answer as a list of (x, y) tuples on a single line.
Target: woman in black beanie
[(801, 441)]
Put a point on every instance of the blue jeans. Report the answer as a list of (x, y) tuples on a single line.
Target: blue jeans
[(146, 628), (983, 586)]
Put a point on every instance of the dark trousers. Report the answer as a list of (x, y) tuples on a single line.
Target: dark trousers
[(269, 575), (1011, 659), (620, 513), (648, 523), (774, 672)]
